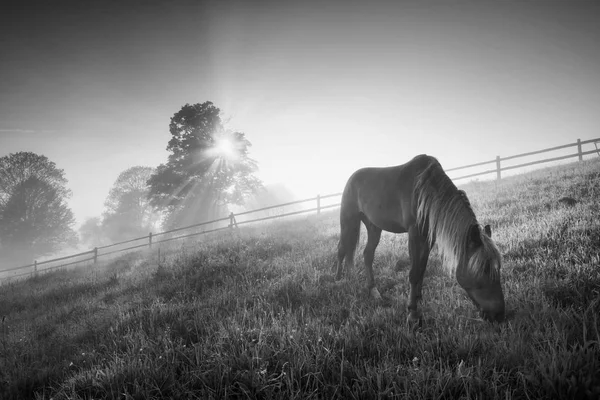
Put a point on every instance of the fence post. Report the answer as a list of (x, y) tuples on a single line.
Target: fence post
[(318, 204), (579, 149), (498, 175), (95, 255), (232, 220), (35, 271), (150, 240)]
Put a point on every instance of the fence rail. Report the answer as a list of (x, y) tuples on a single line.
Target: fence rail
[(151, 237), (498, 160)]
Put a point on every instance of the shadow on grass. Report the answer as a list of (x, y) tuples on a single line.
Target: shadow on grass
[(579, 293)]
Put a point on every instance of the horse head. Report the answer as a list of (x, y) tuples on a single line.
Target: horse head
[(479, 275)]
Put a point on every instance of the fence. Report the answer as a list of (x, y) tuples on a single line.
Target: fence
[(150, 239), (498, 170)]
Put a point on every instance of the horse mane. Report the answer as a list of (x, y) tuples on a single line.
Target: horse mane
[(445, 214)]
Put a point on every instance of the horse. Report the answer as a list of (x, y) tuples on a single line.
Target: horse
[(419, 198)]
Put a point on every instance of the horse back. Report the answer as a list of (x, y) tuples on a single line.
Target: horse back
[(385, 195)]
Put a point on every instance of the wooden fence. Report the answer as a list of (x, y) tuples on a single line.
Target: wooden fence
[(498, 161), (151, 238), (162, 237)]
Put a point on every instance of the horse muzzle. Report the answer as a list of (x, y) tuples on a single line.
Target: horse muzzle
[(490, 304)]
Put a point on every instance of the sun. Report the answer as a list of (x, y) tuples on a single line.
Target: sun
[(225, 147)]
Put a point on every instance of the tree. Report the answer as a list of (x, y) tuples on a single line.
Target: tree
[(208, 168), (91, 232), (128, 212), (34, 216)]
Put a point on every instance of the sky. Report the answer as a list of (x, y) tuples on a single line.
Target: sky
[(319, 88)]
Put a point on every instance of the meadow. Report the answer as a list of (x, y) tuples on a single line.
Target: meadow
[(256, 313)]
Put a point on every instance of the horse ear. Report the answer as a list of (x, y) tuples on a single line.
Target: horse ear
[(475, 235), (488, 230)]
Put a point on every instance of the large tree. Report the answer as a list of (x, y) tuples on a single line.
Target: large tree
[(34, 216), (208, 168), (128, 212)]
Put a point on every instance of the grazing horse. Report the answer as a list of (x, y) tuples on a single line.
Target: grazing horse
[(419, 198)]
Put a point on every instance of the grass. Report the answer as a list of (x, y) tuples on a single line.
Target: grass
[(257, 314)]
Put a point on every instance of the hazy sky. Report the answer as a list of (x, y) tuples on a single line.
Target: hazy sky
[(320, 90)]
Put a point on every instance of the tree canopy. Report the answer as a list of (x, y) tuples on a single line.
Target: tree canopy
[(34, 216), (208, 168), (128, 212)]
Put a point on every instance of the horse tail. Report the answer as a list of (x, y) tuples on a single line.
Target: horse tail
[(349, 226)]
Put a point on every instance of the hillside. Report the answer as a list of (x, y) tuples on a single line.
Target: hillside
[(256, 313)]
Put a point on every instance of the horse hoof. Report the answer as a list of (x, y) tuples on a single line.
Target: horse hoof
[(375, 293), (414, 319)]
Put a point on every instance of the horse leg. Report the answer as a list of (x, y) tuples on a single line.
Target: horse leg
[(349, 233), (342, 252), (374, 233), (418, 249)]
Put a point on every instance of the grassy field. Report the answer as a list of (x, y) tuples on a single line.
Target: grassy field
[(256, 314)]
